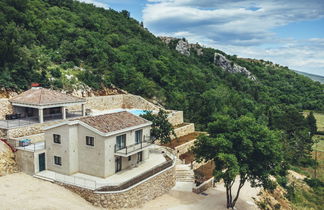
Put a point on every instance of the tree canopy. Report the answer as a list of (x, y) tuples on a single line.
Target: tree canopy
[(241, 148)]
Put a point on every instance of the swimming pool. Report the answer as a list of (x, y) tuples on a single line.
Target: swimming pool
[(136, 111)]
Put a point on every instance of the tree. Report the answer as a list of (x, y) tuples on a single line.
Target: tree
[(243, 148), (311, 123), (162, 129)]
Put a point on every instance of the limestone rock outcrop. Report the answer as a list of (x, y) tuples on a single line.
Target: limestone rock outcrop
[(230, 66), (7, 160)]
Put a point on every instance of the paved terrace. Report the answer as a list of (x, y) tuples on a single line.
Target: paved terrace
[(93, 182), (9, 124)]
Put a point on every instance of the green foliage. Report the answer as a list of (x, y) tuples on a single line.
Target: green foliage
[(242, 148), (109, 47), (297, 138), (312, 123), (161, 128)]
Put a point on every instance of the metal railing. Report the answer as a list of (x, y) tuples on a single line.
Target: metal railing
[(18, 122), (32, 147), (76, 181), (72, 114), (134, 147), (15, 123), (170, 157)]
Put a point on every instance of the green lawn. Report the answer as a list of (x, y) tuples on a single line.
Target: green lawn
[(319, 119)]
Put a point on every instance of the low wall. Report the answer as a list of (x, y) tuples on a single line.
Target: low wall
[(204, 186), (133, 197), (185, 130), (183, 148), (138, 102), (105, 102), (29, 130), (25, 161), (128, 101), (176, 117), (5, 108)]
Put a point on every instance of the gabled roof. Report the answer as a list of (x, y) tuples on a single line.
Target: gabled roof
[(108, 124), (114, 121), (43, 97)]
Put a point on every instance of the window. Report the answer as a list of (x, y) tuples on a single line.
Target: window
[(90, 141), (138, 136), (57, 139), (121, 142), (57, 160), (129, 158)]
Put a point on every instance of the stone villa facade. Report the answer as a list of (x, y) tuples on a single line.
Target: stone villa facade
[(98, 145)]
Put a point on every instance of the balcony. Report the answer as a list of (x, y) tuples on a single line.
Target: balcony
[(132, 149)]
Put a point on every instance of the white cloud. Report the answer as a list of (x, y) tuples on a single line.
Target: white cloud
[(96, 3), (241, 27)]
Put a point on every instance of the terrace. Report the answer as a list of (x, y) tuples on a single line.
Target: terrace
[(160, 159), (39, 105)]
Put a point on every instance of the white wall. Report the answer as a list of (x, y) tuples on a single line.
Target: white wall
[(61, 150), (97, 160)]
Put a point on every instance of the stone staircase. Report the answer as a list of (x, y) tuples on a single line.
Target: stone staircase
[(184, 173)]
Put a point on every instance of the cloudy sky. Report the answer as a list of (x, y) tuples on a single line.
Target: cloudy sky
[(288, 32)]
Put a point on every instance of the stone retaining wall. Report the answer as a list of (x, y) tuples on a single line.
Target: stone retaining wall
[(204, 186), (27, 130), (176, 118), (133, 197), (138, 102), (128, 101), (185, 130), (183, 148), (5, 108)]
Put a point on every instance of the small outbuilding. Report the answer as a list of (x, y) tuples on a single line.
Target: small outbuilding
[(41, 104)]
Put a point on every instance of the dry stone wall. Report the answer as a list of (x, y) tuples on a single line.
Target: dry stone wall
[(128, 101), (5, 108), (204, 186), (185, 130), (134, 197), (176, 117), (183, 148), (138, 102)]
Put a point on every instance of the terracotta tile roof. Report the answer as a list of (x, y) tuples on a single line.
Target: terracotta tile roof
[(114, 121), (43, 96)]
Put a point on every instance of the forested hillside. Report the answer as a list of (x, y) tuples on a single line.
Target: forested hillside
[(66, 44)]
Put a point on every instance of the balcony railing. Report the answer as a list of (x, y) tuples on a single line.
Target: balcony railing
[(126, 150)]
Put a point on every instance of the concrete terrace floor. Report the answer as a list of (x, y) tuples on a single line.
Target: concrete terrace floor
[(21, 191), (181, 198), (93, 182)]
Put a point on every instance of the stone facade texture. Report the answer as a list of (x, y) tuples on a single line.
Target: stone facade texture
[(176, 118), (183, 148), (185, 130), (5, 108), (133, 197), (204, 186)]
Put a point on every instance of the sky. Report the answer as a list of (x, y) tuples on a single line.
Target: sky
[(287, 32)]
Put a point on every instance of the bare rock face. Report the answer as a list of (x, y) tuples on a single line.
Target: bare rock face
[(7, 160), (230, 66), (183, 47)]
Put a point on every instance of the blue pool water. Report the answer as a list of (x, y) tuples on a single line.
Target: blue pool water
[(136, 111)]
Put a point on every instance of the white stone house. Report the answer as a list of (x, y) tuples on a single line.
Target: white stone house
[(97, 145)]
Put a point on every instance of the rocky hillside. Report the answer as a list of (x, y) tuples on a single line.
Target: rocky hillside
[(81, 49), (7, 160), (185, 48)]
